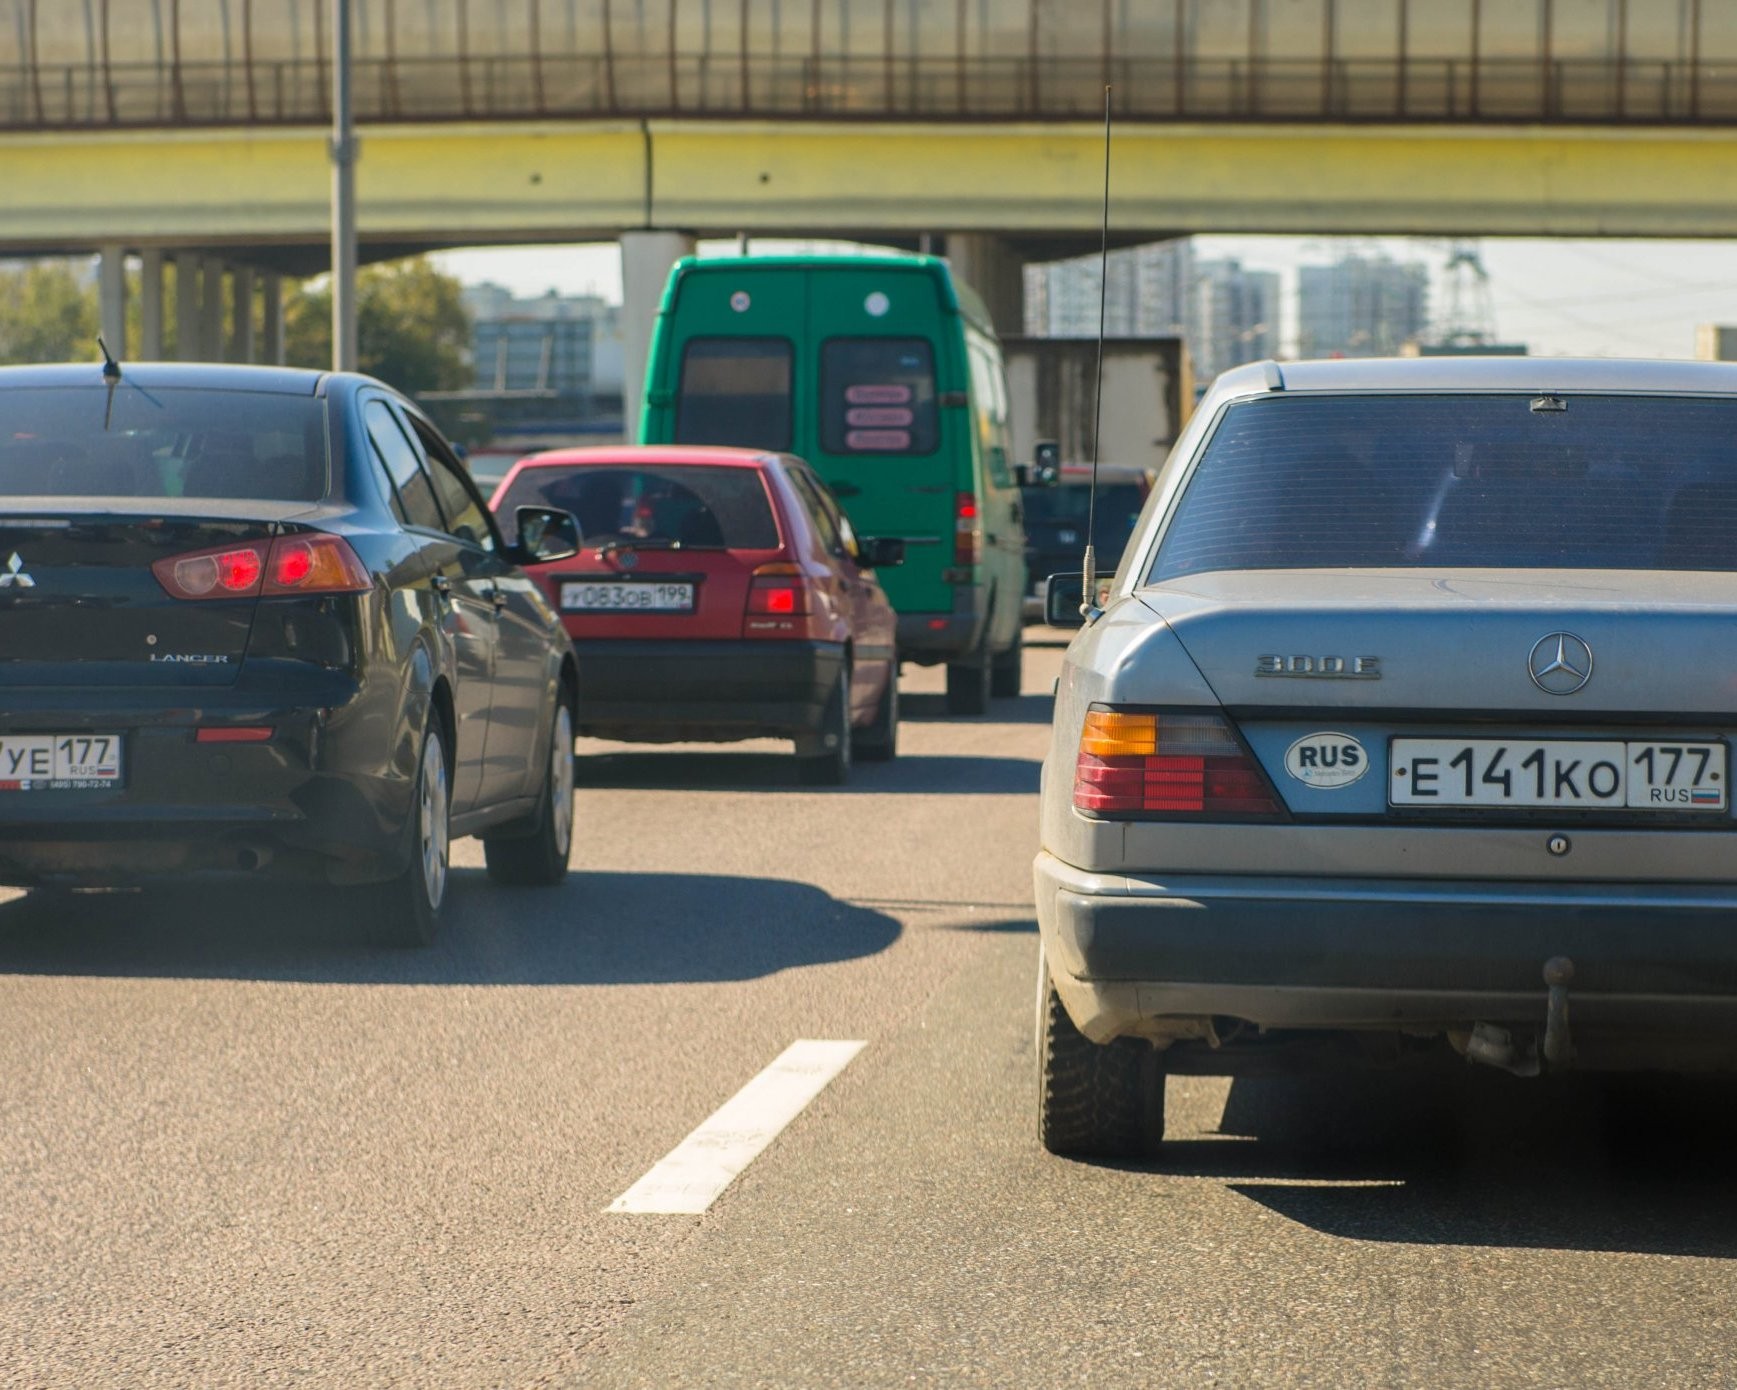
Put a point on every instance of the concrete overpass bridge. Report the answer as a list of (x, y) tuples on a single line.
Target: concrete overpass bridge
[(194, 128)]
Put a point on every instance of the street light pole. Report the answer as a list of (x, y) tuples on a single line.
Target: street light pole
[(343, 196)]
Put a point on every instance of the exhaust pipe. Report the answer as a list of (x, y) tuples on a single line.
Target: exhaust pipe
[(252, 858)]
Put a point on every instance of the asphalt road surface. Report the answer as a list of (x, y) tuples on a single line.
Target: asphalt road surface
[(237, 1147)]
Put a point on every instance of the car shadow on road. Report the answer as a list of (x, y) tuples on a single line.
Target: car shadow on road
[(598, 929), (1474, 1158), (916, 775)]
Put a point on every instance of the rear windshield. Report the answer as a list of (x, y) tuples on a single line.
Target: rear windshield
[(1050, 510), (1524, 482), (690, 505), (75, 442), (735, 391), (877, 396)]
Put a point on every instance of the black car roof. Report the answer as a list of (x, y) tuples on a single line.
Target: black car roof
[(208, 376)]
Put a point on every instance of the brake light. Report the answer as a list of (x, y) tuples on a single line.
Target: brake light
[(315, 564), (304, 564), (1142, 762), (777, 590), (967, 538), (234, 733)]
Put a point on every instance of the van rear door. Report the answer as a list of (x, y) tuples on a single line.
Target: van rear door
[(885, 351)]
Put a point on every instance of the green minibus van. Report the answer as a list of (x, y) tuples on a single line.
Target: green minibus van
[(884, 373)]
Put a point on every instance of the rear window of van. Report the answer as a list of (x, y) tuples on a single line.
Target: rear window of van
[(735, 391), (877, 396), (1469, 481), (692, 506)]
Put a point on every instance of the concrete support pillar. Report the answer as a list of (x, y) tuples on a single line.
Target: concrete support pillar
[(211, 310), (151, 306), (992, 268), (112, 299), (271, 319), (241, 333), (646, 258), (189, 322)]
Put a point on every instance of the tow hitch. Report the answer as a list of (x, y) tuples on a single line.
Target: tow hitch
[(1495, 1046), (1558, 1046)]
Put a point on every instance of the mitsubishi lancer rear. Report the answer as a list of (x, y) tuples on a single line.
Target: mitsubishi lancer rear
[(256, 621), (1404, 729)]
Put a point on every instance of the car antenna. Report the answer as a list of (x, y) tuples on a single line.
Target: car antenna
[(1089, 563), (111, 376)]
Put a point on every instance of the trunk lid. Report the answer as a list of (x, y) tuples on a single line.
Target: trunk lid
[(1450, 644), (80, 606)]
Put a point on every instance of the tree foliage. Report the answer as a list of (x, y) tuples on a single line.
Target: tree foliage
[(412, 330), (47, 314)]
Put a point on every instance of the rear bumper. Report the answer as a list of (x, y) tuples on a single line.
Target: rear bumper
[(1128, 952), (320, 801), (705, 690)]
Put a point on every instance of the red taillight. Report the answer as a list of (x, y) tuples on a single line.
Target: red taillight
[(1134, 762), (307, 564), (315, 564), (967, 538), (777, 591)]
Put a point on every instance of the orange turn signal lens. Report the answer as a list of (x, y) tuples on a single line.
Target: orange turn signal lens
[(1112, 734)]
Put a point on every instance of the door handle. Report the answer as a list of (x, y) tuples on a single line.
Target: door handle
[(442, 585)]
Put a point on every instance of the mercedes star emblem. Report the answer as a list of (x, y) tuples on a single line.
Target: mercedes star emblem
[(1560, 664)]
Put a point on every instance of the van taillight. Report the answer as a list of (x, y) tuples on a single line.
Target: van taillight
[(777, 591), (1139, 762), (967, 531), (304, 564)]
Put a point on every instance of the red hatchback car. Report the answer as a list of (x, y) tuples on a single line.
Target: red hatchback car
[(719, 594)]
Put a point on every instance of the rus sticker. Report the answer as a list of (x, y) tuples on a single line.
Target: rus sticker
[(1326, 760)]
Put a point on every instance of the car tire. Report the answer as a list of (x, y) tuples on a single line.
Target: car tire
[(879, 743), (1008, 670), (968, 681), (539, 860), (1094, 1100), (826, 755), (407, 907)]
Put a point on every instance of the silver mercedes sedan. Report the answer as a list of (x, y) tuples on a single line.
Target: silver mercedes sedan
[(1405, 725)]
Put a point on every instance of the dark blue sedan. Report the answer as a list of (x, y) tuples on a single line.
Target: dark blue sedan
[(259, 622)]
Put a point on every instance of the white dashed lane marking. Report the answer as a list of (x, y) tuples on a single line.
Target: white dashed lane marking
[(699, 1168)]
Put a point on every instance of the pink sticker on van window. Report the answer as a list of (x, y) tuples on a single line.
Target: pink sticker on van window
[(879, 415), (878, 395), (878, 441)]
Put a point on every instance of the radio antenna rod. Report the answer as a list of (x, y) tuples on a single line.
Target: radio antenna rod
[(1089, 566)]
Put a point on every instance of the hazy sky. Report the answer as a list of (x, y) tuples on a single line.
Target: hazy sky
[(1595, 297)]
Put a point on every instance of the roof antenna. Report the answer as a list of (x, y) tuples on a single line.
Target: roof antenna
[(1089, 565), (111, 378)]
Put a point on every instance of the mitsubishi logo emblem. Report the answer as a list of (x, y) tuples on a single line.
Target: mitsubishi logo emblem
[(12, 575), (1560, 664)]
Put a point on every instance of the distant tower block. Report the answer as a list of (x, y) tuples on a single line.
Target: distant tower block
[(1715, 342)]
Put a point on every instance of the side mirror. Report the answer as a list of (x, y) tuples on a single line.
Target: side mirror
[(545, 534), (1046, 463), (880, 552), (1062, 597)]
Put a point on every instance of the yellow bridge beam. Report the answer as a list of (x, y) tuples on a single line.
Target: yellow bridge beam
[(456, 184)]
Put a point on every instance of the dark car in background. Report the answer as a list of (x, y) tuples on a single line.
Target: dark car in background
[(1055, 523), (259, 622), (721, 595)]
